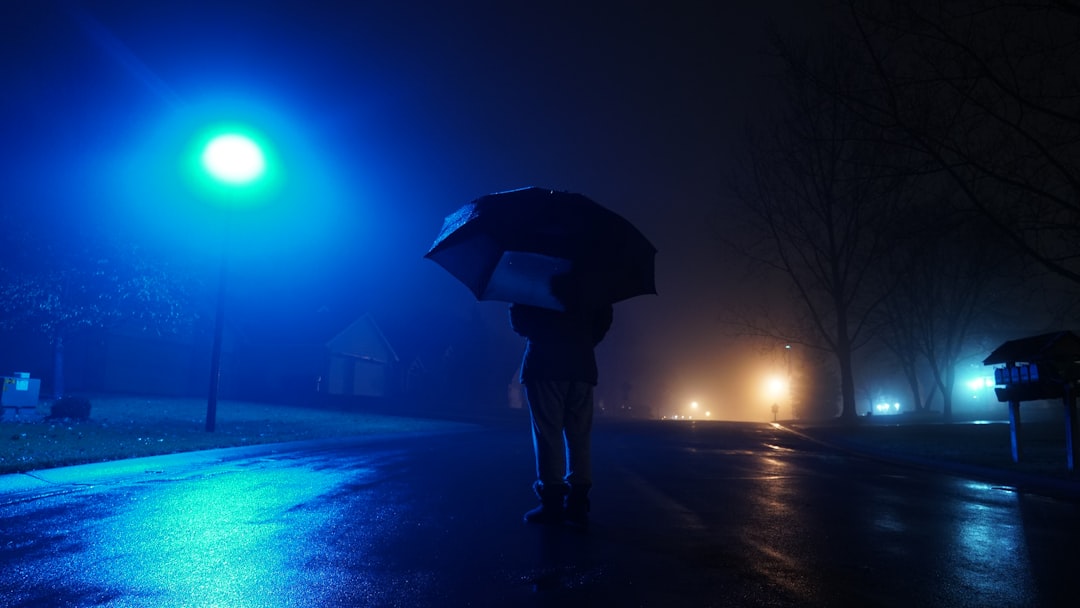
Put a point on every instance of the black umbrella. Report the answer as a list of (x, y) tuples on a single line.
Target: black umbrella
[(552, 249)]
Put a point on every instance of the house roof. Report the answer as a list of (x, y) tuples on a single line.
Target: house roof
[(363, 339)]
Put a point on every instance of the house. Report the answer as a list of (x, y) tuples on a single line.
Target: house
[(361, 362)]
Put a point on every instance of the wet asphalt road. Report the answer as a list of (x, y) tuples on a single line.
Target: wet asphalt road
[(706, 514)]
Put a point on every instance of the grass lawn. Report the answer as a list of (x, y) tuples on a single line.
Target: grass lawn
[(984, 445), (129, 427)]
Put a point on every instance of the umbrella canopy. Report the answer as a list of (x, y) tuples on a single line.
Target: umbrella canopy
[(536, 246)]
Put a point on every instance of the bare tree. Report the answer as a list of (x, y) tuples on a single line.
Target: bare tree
[(817, 197), (948, 278), (900, 336), (989, 93)]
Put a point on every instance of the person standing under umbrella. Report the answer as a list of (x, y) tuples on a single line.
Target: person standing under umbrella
[(559, 373)]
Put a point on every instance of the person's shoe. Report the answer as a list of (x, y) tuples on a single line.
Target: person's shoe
[(550, 509), (576, 508)]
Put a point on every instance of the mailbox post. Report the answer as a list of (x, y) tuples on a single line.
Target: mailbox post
[(1041, 367)]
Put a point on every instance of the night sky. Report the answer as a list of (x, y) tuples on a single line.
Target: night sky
[(388, 116)]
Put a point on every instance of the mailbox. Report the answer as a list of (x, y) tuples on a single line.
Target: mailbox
[(1041, 367), (20, 390)]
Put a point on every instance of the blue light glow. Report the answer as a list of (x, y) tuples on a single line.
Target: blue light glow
[(196, 543), (232, 163), (287, 201), (234, 158)]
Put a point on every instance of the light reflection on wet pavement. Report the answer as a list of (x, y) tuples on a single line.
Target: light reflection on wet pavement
[(684, 514)]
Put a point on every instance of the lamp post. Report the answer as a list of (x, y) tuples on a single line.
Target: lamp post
[(787, 359), (234, 160)]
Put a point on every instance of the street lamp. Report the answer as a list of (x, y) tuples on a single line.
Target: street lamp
[(775, 386), (787, 359), (235, 160)]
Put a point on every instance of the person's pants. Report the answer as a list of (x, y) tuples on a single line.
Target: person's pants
[(562, 417)]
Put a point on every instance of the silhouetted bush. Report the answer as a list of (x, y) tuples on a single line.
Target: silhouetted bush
[(71, 407)]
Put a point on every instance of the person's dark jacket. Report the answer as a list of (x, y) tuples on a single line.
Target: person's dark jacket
[(560, 344)]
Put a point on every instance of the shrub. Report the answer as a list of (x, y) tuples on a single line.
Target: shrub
[(71, 407)]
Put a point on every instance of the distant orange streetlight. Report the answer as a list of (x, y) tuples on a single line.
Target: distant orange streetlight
[(776, 387)]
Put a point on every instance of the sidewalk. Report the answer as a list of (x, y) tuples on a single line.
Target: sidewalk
[(979, 450)]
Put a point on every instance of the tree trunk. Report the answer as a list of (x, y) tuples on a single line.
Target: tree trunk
[(847, 380), (928, 402), (847, 368), (847, 386), (947, 392), (944, 381), (58, 366), (913, 384)]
